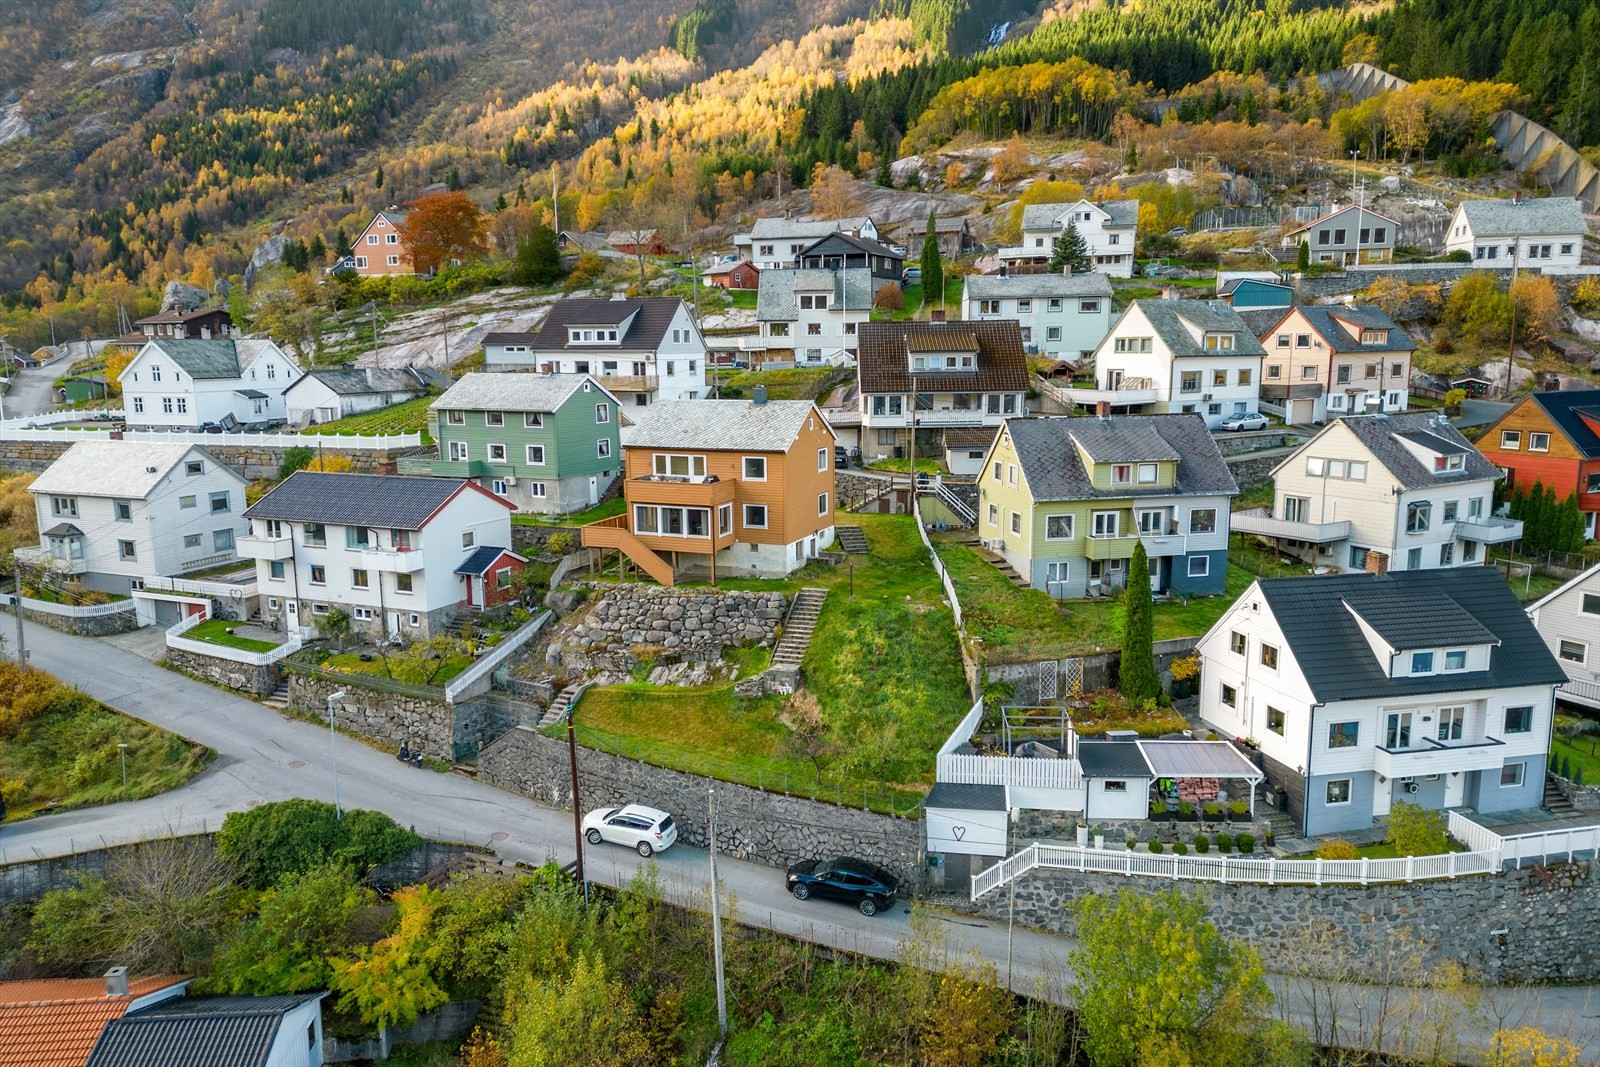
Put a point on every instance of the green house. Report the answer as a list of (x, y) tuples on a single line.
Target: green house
[(77, 388), (544, 442)]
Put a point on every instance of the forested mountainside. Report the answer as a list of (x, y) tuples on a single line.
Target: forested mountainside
[(152, 140)]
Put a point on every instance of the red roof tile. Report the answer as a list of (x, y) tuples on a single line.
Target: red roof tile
[(55, 1022)]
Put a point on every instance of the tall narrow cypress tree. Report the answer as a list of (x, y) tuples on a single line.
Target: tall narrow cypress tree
[(932, 266), (1137, 675)]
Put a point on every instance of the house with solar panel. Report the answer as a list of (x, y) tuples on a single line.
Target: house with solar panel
[(400, 555), (1363, 690)]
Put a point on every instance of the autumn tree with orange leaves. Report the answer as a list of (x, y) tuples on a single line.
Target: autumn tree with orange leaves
[(441, 227)]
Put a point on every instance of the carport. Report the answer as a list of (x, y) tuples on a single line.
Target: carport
[(1217, 760)]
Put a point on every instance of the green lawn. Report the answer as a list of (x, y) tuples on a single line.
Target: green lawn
[(1015, 625), (604, 510), (902, 466), (1259, 497), (743, 298), (411, 416), (215, 631), (1582, 754), (351, 662), (792, 383), (1260, 560), (913, 298), (69, 759)]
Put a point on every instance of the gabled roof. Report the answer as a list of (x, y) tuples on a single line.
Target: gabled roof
[(884, 363), (1325, 319), (959, 797), (1382, 434), (120, 469), (480, 559), (1565, 408), (1331, 651), (180, 315), (1335, 213), (1040, 286), (1112, 759), (399, 502), (368, 380), (794, 229), (1230, 285), (651, 317), (1551, 215), (1428, 618), (865, 245), (198, 1032), (1047, 449), (392, 217), (216, 358), (720, 425), (775, 300), (1589, 577), (1122, 214), (1167, 318), (941, 224), (481, 391), (55, 1022)]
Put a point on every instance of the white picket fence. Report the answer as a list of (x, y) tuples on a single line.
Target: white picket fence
[(967, 769), (77, 611), (224, 591), (49, 418), (175, 639), (342, 442), (1540, 846), (938, 566)]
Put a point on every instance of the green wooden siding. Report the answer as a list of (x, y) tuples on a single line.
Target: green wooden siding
[(570, 437)]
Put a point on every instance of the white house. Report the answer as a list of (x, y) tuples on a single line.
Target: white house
[(1569, 622), (390, 550), (184, 383), (641, 349), (1533, 233), (1362, 690), (776, 244), (237, 1031), (1190, 356), (1110, 230), (1065, 316), (813, 314), (329, 395), (112, 513), (1384, 493)]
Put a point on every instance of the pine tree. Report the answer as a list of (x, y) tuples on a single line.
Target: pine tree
[(500, 203), (1071, 251), (538, 259), (1302, 258), (341, 244), (317, 250), (932, 266), (377, 179), (1137, 675)]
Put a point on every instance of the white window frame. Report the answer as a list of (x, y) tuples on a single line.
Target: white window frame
[(766, 517), (1328, 800), (1049, 520), (1204, 570), (534, 455)]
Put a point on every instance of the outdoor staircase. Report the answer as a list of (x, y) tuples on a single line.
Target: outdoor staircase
[(1555, 802), (614, 533), (962, 501), (1007, 570), (457, 627), (851, 540), (798, 626), (564, 700), (279, 697)]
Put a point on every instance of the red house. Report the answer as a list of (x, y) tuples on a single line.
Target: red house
[(637, 242), (488, 573), (1554, 438), (736, 276)]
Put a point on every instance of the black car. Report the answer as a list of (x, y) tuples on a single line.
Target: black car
[(841, 458), (866, 885)]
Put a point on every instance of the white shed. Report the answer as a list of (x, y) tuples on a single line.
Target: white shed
[(967, 820), (1117, 779)]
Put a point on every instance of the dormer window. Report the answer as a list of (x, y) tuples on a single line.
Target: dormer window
[(1446, 464), (1147, 474), (1374, 337), (1219, 342), (814, 301), (1422, 663), (1455, 660), (1121, 474)]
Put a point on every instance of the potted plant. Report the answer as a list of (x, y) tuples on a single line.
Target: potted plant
[(1213, 811), (1238, 811), (1099, 837), (1185, 811), (1184, 672), (1158, 808), (1083, 835)]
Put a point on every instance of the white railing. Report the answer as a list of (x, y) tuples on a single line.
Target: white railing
[(347, 442), (201, 587), (78, 611), (964, 729), (462, 684), (1478, 838), (1267, 870), (972, 769), (175, 639), (51, 418), (957, 506), (1540, 845), (938, 566)]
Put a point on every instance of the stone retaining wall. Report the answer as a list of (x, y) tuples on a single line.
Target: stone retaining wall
[(243, 677), (118, 622), (752, 824), (1539, 924), (250, 461), (1251, 471), (387, 717), (691, 626), (1582, 797), (852, 490)]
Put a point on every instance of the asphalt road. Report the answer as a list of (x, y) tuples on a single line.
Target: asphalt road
[(264, 756), (30, 392)]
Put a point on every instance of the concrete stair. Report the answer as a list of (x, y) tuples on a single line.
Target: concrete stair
[(1554, 801), (279, 697), (851, 540), (558, 707), (798, 627), (1009, 571)]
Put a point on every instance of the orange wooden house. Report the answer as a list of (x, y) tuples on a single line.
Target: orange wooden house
[(1553, 438), (720, 487)]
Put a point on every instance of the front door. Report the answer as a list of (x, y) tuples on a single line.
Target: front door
[(1382, 792), (293, 608), (594, 490)]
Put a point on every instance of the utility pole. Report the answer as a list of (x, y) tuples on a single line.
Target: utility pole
[(1354, 153), (1511, 346), (16, 606), (333, 752), (577, 813), (555, 196), (716, 925)]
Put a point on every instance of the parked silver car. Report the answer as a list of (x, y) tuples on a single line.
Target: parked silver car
[(643, 829), (1249, 420)]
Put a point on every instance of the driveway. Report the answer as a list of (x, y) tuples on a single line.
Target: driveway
[(264, 756), (147, 642), (30, 392)]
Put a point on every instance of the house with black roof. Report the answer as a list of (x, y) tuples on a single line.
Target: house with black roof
[(270, 1031), (641, 349), (401, 555), (839, 251), (1363, 690), (1066, 500)]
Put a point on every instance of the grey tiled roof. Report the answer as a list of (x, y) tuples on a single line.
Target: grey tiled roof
[(1263, 321), (1124, 214), (481, 391), (200, 359), (1381, 435), (865, 245), (1549, 216), (1050, 460), (1112, 759), (480, 559), (803, 229), (719, 425), (1327, 643), (197, 1032), (966, 797), (1362, 213), (1167, 317), (1042, 286), (115, 468), (399, 502), (644, 333), (1325, 318), (1424, 619), (360, 381), (775, 300), (884, 363)]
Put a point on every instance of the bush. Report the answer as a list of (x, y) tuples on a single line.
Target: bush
[(1458, 256), (1157, 847), (1337, 849), (1224, 842), (561, 543), (295, 459), (290, 836), (1181, 849), (1417, 831), (1202, 843), (1247, 843), (1132, 843), (889, 297)]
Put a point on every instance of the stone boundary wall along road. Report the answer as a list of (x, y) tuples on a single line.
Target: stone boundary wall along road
[(242, 677), (752, 824), (1538, 924), (251, 462), (113, 622)]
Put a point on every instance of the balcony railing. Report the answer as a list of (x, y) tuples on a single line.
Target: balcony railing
[(1439, 757), (392, 560), (1106, 547), (1090, 395), (1492, 530), (267, 548), (682, 492), (1164, 544), (630, 383), (1260, 521)]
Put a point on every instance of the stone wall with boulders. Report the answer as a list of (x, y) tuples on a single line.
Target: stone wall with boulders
[(690, 626), (388, 717), (752, 824), (1582, 797), (1538, 924), (250, 461), (1250, 471), (243, 677), (117, 622), (852, 490)]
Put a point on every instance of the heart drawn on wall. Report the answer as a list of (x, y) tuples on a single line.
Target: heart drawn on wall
[(959, 831)]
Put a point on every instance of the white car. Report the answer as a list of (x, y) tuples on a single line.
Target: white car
[(1250, 420), (645, 830)]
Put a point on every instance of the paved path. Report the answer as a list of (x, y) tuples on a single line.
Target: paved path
[(30, 393), (263, 756)]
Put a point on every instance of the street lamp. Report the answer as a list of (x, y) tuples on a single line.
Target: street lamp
[(122, 750), (334, 752)]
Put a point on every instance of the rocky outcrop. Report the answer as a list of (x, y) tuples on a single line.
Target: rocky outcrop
[(183, 297), (267, 253)]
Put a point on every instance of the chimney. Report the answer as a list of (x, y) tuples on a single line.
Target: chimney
[(936, 315), (758, 395), (1377, 563), (1066, 270), (1102, 408), (117, 982), (1003, 271), (619, 294)]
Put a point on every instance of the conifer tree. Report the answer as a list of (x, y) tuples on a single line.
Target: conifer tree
[(1071, 250), (932, 266), (1137, 675)]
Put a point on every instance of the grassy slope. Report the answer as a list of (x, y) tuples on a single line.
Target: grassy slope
[(411, 416)]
